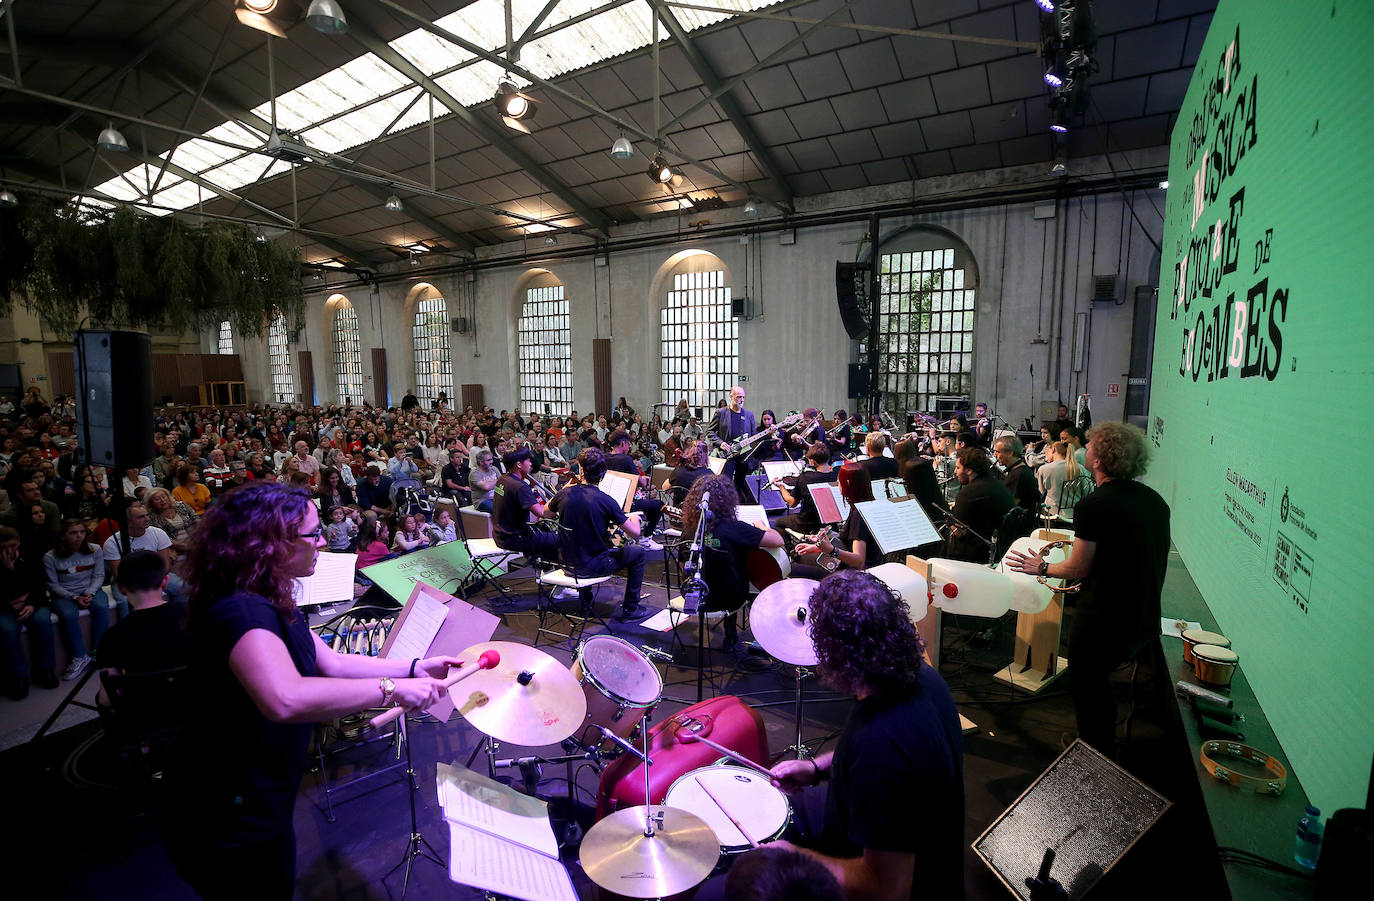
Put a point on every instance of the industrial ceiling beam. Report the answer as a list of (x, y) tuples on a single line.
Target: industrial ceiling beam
[(485, 129), (727, 103)]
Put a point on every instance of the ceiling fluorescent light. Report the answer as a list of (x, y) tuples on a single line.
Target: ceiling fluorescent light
[(326, 17)]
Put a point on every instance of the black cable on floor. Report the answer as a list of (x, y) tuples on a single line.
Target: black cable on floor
[(1248, 858)]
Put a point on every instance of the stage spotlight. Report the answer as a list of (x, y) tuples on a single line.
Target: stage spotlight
[(516, 108), (270, 16), (660, 171)]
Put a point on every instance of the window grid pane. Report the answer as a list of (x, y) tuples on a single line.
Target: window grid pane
[(545, 352), (279, 361), (699, 340), (226, 337), (348, 355), (433, 363), (925, 329)]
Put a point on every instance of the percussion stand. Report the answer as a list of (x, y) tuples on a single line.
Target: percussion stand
[(416, 847), (803, 752)]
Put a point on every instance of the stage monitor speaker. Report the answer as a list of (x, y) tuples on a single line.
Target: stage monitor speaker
[(114, 391), (1087, 808), (860, 385), (851, 290)]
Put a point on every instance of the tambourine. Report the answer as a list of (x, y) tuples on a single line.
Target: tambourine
[(1066, 589), (1278, 774)]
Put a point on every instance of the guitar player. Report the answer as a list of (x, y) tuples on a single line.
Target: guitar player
[(728, 424)]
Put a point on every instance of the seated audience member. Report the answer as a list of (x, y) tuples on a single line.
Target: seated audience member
[(409, 537), (86, 500), (402, 466), (23, 604), (143, 536), (307, 462), (171, 516), (482, 481), (76, 571), (165, 466), (136, 484), (1017, 476), (153, 636), (24, 499), (453, 478), (342, 529), (372, 540), (374, 492), (442, 530), (189, 490), (215, 476)]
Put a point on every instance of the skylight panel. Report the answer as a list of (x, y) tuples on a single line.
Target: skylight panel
[(199, 155), (429, 52), (178, 196), (472, 84)]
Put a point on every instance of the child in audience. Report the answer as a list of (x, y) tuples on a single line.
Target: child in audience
[(341, 530), (442, 530), (409, 537), (372, 536)]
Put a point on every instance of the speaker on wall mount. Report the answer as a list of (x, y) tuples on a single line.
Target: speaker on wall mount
[(460, 324), (114, 387), (851, 292)]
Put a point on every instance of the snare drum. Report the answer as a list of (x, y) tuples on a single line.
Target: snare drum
[(766, 565), (1215, 665), (620, 683), (1194, 637), (750, 797)]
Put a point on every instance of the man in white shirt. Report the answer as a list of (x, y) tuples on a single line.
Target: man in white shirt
[(136, 483), (143, 536), (309, 465)]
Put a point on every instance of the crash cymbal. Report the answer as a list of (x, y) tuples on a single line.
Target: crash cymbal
[(780, 621), (619, 857), (529, 698)]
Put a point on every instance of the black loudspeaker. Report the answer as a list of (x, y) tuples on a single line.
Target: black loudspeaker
[(114, 397), (460, 324), (859, 383), (851, 290)]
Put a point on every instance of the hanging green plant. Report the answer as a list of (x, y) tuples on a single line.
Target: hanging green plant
[(124, 269)]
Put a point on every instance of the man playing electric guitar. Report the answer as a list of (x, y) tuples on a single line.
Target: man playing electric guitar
[(729, 424)]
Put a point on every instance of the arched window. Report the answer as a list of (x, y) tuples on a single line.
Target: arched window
[(226, 337), (699, 337), (279, 360), (926, 301), (348, 354), (429, 337), (546, 381)]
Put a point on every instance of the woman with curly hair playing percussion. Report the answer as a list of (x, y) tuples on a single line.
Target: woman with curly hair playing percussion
[(890, 823), (259, 671)]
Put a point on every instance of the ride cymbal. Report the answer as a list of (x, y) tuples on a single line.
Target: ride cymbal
[(780, 621), (619, 857), (529, 698)]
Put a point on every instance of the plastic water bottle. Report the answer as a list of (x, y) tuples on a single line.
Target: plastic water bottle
[(1308, 844)]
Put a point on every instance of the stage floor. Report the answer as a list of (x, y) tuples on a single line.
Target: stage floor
[(103, 843)]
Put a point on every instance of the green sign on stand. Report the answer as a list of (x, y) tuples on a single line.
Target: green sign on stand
[(445, 567)]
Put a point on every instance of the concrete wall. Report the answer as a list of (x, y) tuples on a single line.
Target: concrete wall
[(1036, 264)]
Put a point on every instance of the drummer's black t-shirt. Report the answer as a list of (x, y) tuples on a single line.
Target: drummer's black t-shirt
[(897, 783), (1129, 523), (243, 769), (723, 560)]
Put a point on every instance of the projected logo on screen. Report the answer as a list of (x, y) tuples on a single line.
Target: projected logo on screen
[(1238, 335)]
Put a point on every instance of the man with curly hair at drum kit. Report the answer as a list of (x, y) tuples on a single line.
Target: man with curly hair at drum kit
[(890, 823)]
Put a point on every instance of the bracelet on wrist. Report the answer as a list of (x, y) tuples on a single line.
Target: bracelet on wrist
[(412, 667)]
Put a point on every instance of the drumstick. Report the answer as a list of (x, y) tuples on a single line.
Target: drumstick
[(486, 661), (737, 758), (753, 843)]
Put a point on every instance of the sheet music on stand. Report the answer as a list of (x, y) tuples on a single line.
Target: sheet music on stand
[(716, 464), (754, 514), (897, 525), (830, 502), (778, 469), (331, 581), (499, 839), (620, 487), (433, 622)]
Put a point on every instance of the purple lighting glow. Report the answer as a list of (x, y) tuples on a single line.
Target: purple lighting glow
[(1046, 5)]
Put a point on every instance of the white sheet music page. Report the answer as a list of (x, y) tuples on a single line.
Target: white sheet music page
[(754, 514), (897, 525), (495, 808), (486, 862), (331, 581), (416, 632)]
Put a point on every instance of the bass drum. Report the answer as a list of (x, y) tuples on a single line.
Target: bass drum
[(764, 566)]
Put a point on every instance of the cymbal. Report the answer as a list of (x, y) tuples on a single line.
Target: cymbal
[(619, 857), (546, 710), (780, 621)]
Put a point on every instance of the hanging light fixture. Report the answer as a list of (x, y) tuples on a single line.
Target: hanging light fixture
[(7, 199), (659, 170), (270, 16), (622, 149), (394, 205), (751, 208), (326, 17), (111, 139), (515, 107)]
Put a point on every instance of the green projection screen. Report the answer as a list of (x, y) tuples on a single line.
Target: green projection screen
[(1263, 384)]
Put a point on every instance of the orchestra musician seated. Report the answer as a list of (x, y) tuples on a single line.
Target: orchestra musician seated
[(807, 519), (517, 501), (982, 502), (878, 463), (855, 547), (686, 473), (1017, 476), (585, 513), (728, 541), (619, 460)]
